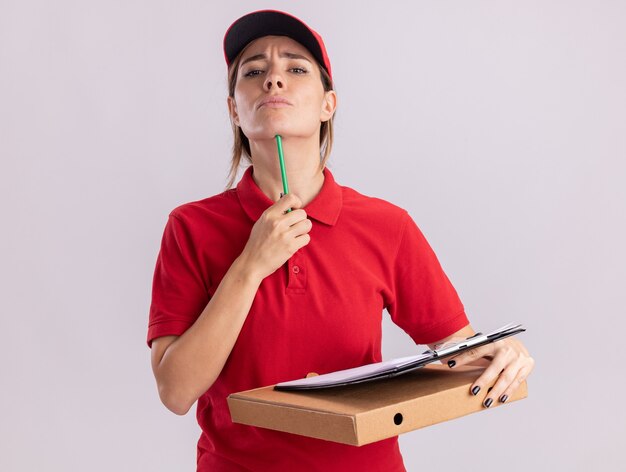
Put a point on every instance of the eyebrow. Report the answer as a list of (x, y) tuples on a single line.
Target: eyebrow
[(263, 56)]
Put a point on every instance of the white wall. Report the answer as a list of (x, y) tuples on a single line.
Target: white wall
[(500, 126)]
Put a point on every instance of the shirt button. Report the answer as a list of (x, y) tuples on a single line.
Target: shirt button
[(295, 269)]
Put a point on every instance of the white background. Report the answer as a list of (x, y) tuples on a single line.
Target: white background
[(499, 125)]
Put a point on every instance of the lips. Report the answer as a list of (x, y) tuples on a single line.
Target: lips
[(274, 102)]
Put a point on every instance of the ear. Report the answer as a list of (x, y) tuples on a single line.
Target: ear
[(328, 105), (232, 110)]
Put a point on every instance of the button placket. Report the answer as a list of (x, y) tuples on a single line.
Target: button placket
[(297, 273)]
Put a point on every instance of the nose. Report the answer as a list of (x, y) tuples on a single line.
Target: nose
[(273, 79)]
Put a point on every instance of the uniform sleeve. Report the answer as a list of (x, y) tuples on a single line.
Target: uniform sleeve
[(179, 293), (424, 303)]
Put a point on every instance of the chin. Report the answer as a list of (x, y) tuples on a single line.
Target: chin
[(263, 135), (270, 132)]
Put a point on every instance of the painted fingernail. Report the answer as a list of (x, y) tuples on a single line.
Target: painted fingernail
[(504, 398), (451, 364), (488, 402), (475, 390), (489, 389)]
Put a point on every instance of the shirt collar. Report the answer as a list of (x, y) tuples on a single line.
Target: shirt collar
[(325, 207)]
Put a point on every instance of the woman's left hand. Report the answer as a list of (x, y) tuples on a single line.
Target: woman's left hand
[(511, 365)]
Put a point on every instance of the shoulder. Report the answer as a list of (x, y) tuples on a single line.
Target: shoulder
[(200, 210), (206, 219), (374, 209)]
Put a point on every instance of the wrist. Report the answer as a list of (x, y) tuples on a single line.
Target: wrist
[(245, 272)]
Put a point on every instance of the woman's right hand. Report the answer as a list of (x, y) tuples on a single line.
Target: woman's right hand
[(276, 236)]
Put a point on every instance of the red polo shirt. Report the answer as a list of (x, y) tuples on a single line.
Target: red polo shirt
[(320, 312)]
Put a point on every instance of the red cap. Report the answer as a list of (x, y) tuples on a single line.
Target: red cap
[(273, 23)]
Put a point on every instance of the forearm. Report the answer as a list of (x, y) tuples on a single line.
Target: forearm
[(194, 360)]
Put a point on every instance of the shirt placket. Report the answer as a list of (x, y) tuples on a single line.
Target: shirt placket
[(297, 273)]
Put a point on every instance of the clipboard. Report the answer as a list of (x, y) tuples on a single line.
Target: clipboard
[(395, 367)]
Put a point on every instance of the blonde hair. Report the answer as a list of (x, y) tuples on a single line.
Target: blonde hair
[(241, 145)]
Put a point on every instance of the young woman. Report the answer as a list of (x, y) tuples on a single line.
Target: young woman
[(248, 294)]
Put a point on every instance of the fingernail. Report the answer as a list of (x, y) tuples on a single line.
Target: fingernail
[(504, 398), (489, 389), (451, 364), (475, 390), (488, 402), (282, 194)]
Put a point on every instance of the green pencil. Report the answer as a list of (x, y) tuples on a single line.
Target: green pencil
[(281, 160)]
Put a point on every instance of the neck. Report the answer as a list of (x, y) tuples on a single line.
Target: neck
[(302, 166)]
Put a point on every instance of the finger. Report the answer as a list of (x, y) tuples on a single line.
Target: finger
[(292, 218), (281, 221), (505, 380), (506, 384), (522, 374), (286, 202), (492, 372), (302, 241), (471, 355), (300, 228)]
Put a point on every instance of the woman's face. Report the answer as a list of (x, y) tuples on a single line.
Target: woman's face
[(278, 67)]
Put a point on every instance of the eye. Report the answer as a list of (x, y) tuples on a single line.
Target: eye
[(300, 70), (252, 73)]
